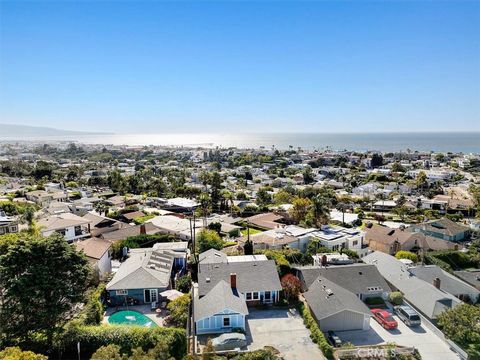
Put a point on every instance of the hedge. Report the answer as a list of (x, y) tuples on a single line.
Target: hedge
[(92, 313), (316, 334), (127, 337)]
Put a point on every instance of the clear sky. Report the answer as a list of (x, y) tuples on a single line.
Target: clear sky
[(241, 66)]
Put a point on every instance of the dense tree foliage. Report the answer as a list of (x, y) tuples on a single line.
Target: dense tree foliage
[(41, 280)]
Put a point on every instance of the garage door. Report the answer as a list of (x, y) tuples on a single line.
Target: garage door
[(343, 321)]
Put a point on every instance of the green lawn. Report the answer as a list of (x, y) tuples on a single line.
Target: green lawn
[(252, 231)]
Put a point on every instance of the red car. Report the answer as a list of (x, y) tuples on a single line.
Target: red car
[(385, 319)]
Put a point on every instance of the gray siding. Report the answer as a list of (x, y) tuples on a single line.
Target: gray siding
[(343, 321)]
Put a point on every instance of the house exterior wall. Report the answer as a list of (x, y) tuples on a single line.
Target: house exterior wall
[(137, 294), (344, 321), (215, 323), (104, 265), (274, 297), (69, 233)]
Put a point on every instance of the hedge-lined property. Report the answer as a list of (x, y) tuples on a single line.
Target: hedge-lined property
[(127, 337), (315, 333)]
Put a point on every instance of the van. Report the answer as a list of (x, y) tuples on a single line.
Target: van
[(409, 316)]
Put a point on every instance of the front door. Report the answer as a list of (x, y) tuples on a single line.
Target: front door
[(268, 297)]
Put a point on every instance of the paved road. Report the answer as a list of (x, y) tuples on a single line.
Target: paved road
[(284, 330), (430, 346)]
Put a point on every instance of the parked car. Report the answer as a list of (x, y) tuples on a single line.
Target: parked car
[(385, 319), (409, 316), (334, 339), (229, 341)]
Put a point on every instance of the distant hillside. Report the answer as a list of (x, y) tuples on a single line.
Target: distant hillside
[(10, 130)]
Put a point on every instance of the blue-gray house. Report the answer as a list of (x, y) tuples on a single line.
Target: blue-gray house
[(227, 285), (142, 277)]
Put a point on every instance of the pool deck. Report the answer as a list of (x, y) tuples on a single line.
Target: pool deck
[(144, 309)]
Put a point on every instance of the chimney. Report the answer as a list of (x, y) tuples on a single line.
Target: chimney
[(233, 280), (143, 230), (436, 282)]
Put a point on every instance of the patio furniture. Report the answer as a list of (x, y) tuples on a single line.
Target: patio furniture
[(153, 305)]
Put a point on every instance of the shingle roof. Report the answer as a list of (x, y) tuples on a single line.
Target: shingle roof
[(265, 221), (148, 269), (471, 277), (221, 297), (422, 295), (443, 226), (124, 233), (93, 247), (448, 282), (61, 221), (356, 278), (326, 298), (257, 275)]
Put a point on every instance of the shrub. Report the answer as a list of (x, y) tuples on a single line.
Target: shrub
[(179, 311), (92, 313), (377, 300), (91, 338), (291, 286), (315, 333), (283, 266), (407, 255), (396, 298), (15, 353), (208, 239), (184, 283)]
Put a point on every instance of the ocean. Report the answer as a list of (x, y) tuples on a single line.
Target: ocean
[(385, 142)]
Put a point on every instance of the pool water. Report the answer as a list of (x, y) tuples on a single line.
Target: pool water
[(128, 317)]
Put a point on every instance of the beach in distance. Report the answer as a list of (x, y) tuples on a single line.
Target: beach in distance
[(420, 141)]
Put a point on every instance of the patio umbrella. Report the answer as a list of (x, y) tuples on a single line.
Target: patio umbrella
[(171, 294)]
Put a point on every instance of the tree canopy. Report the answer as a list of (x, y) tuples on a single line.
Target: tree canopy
[(41, 280)]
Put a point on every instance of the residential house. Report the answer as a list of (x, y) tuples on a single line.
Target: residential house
[(265, 221), (336, 308), (248, 279), (101, 224), (7, 224), (471, 277), (44, 198), (363, 280), (221, 310), (98, 254), (390, 241), (130, 230), (71, 226), (444, 228), (447, 282), (142, 277), (422, 295), (337, 237)]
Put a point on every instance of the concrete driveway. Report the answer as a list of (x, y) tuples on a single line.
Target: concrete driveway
[(430, 346), (284, 330)]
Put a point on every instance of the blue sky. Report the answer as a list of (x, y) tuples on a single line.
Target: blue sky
[(241, 66)]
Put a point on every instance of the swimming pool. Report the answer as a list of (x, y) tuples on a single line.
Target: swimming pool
[(129, 317)]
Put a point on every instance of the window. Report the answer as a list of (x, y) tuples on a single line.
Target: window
[(2, 230), (268, 295), (226, 321), (78, 231), (248, 296), (122, 292), (13, 228), (255, 296), (355, 243)]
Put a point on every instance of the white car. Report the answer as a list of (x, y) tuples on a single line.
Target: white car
[(229, 341)]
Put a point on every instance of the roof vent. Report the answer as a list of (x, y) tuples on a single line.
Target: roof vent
[(360, 273), (207, 280)]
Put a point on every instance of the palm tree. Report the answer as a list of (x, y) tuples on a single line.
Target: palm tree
[(321, 210)]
